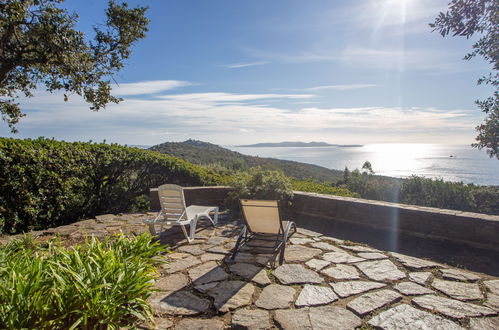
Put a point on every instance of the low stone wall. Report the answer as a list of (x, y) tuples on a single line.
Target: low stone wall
[(381, 220), (474, 229)]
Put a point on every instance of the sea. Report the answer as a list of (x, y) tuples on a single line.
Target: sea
[(460, 163)]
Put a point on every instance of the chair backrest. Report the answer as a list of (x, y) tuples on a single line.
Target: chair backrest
[(171, 198), (261, 216)]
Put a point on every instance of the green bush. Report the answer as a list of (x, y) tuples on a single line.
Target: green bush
[(258, 183), (96, 285), (322, 188), (450, 195), (46, 183)]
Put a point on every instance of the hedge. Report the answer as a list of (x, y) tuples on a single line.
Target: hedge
[(46, 183)]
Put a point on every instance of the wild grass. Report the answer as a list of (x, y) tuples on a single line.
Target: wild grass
[(95, 285)]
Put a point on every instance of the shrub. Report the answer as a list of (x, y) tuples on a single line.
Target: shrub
[(258, 183), (90, 286), (450, 195), (322, 188), (46, 183)]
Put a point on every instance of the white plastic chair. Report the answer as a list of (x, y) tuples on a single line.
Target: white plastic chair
[(174, 212)]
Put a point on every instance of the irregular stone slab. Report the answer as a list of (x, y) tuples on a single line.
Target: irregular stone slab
[(252, 319), (409, 318), (341, 272), (317, 264), (173, 282), (493, 286), (458, 290), (460, 275), (307, 232), (205, 287), (244, 257), (179, 303), (484, 323), (251, 273), (207, 272), (492, 301), (161, 323), (218, 250), (105, 217), (326, 246), (341, 257), (216, 240), (293, 319), (452, 308), (359, 248), (372, 255), (300, 240), (320, 318), (211, 257), (420, 277), (177, 255), (231, 295), (380, 270), (276, 296), (349, 288), (299, 253), (373, 300), (296, 274), (181, 264), (413, 262), (313, 295), (336, 240), (412, 289), (195, 249), (264, 259), (333, 318), (200, 324)]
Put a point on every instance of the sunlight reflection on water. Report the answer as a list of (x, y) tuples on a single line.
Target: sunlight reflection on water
[(450, 162)]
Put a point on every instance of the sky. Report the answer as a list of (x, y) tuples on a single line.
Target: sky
[(240, 72)]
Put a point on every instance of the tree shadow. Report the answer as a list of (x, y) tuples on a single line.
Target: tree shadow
[(216, 287)]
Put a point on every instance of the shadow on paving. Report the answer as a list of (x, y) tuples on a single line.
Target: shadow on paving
[(213, 288), (458, 255)]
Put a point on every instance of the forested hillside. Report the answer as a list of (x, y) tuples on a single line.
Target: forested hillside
[(204, 153)]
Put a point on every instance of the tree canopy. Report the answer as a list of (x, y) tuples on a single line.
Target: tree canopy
[(41, 47), (466, 18)]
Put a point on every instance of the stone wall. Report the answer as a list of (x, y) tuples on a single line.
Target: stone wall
[(367, 220), (383, 218)]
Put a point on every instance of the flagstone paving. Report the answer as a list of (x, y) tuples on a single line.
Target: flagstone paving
[(325, 283)]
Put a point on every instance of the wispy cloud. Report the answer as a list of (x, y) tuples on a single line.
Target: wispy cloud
[(244, 64), (148, 87), (216, 97), (340, 87), (401, 59), (222, 117)]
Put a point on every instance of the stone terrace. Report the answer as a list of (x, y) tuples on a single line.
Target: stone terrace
[(325, 283)]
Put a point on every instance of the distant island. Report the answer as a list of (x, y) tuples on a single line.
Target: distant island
[(297, 144)]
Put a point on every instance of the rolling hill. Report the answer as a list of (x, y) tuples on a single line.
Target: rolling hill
[(204, 153)]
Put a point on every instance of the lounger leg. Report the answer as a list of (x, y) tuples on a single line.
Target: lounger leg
[(239, 239), (215, 217), (185, 233), (152, 230), (193, 229), (284, 240)]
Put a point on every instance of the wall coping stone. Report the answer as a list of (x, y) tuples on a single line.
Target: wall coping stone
[(403, 206)]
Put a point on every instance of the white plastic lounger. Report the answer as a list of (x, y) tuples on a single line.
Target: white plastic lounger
[(174, 212)]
